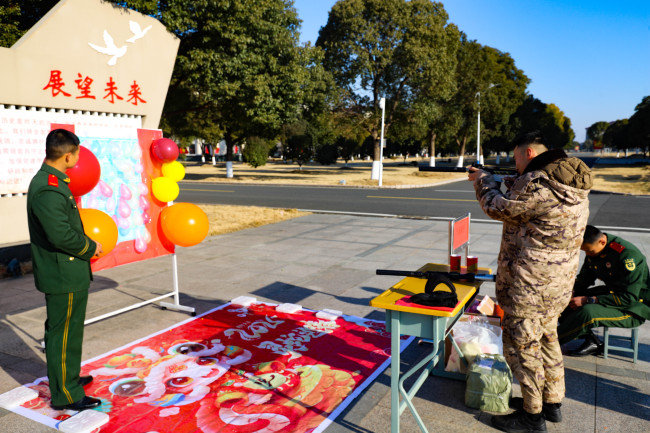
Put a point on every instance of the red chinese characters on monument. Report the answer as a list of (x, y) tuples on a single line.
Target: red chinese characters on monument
[(112, 91), (56, 83), (83, 84), (135, 93)]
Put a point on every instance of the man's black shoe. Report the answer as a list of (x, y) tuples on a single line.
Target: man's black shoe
[(519, 422), (591, 346), (83, 404), (85, 380), (551, 411)]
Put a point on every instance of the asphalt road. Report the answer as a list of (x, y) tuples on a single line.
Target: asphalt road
[(444, 201)]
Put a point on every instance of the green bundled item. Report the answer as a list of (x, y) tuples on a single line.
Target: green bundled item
[(489, 383)]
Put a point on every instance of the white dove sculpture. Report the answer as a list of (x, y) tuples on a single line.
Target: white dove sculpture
[(137, 31), (110, 49)]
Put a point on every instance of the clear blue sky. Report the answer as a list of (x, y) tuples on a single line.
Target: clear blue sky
[(591, 58)]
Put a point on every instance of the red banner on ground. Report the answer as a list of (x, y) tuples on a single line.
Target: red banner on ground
[(235, 369)]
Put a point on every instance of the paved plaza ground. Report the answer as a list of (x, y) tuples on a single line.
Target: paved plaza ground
[(318, 261)]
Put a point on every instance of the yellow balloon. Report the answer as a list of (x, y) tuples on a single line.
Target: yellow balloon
[(164, 189), (173, 170)]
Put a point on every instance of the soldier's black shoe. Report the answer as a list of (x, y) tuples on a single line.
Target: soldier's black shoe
[(83, 404), (85, 380), (519, 422), (551, 411), (591, 346)]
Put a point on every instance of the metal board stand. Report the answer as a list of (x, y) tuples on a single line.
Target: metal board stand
[(165, 305)]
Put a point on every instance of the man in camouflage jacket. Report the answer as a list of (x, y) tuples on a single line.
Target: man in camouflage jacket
[(544, 214)]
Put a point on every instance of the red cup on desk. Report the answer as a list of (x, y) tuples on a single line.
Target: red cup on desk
[(454, 263), (472, 264)]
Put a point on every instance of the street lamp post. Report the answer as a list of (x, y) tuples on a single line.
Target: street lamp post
[(382, 105), (479, 157), (478, 130)]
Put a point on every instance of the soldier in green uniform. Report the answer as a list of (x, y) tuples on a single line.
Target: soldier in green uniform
[(622, 302), (61, 254)]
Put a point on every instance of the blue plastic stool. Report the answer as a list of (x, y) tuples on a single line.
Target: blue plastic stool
[(633, 339)]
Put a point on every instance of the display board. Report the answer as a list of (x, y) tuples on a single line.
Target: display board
[(124, 189)]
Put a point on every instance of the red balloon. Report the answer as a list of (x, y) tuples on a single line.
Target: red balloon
[(84, 176), (164, 150)]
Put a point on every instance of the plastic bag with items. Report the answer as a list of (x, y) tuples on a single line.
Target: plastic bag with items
[(489, 384), (473, 335)]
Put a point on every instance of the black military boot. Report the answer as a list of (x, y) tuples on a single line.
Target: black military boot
[(551, 411), (591, 346), (520, 422)]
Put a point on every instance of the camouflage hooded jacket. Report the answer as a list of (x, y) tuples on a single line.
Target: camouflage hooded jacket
[(544, 215)]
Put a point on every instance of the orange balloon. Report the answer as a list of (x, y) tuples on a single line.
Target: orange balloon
[(99, 227), (184, 224)]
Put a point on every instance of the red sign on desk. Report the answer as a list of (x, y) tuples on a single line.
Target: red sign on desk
[(461, 233)]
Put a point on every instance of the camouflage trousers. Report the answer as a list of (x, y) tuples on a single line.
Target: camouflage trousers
[(532, 350)]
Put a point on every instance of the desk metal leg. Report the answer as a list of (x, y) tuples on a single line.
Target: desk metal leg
[(429, 361), (432, 364), (393, 316), (397, 383)]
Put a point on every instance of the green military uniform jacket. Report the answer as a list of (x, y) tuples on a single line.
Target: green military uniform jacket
[(624, 270), (61, 252)]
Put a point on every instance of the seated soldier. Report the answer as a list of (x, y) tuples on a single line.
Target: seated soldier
[(624, 300)]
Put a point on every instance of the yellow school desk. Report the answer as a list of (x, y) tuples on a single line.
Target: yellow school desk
[(425, 323)]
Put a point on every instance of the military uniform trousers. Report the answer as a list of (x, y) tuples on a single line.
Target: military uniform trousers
[(577, 323), (532, 350), (64, 329)]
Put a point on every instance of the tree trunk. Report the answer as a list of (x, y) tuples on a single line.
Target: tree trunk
[(461, 156), (230, 143), (432, 148), (376, 156)]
